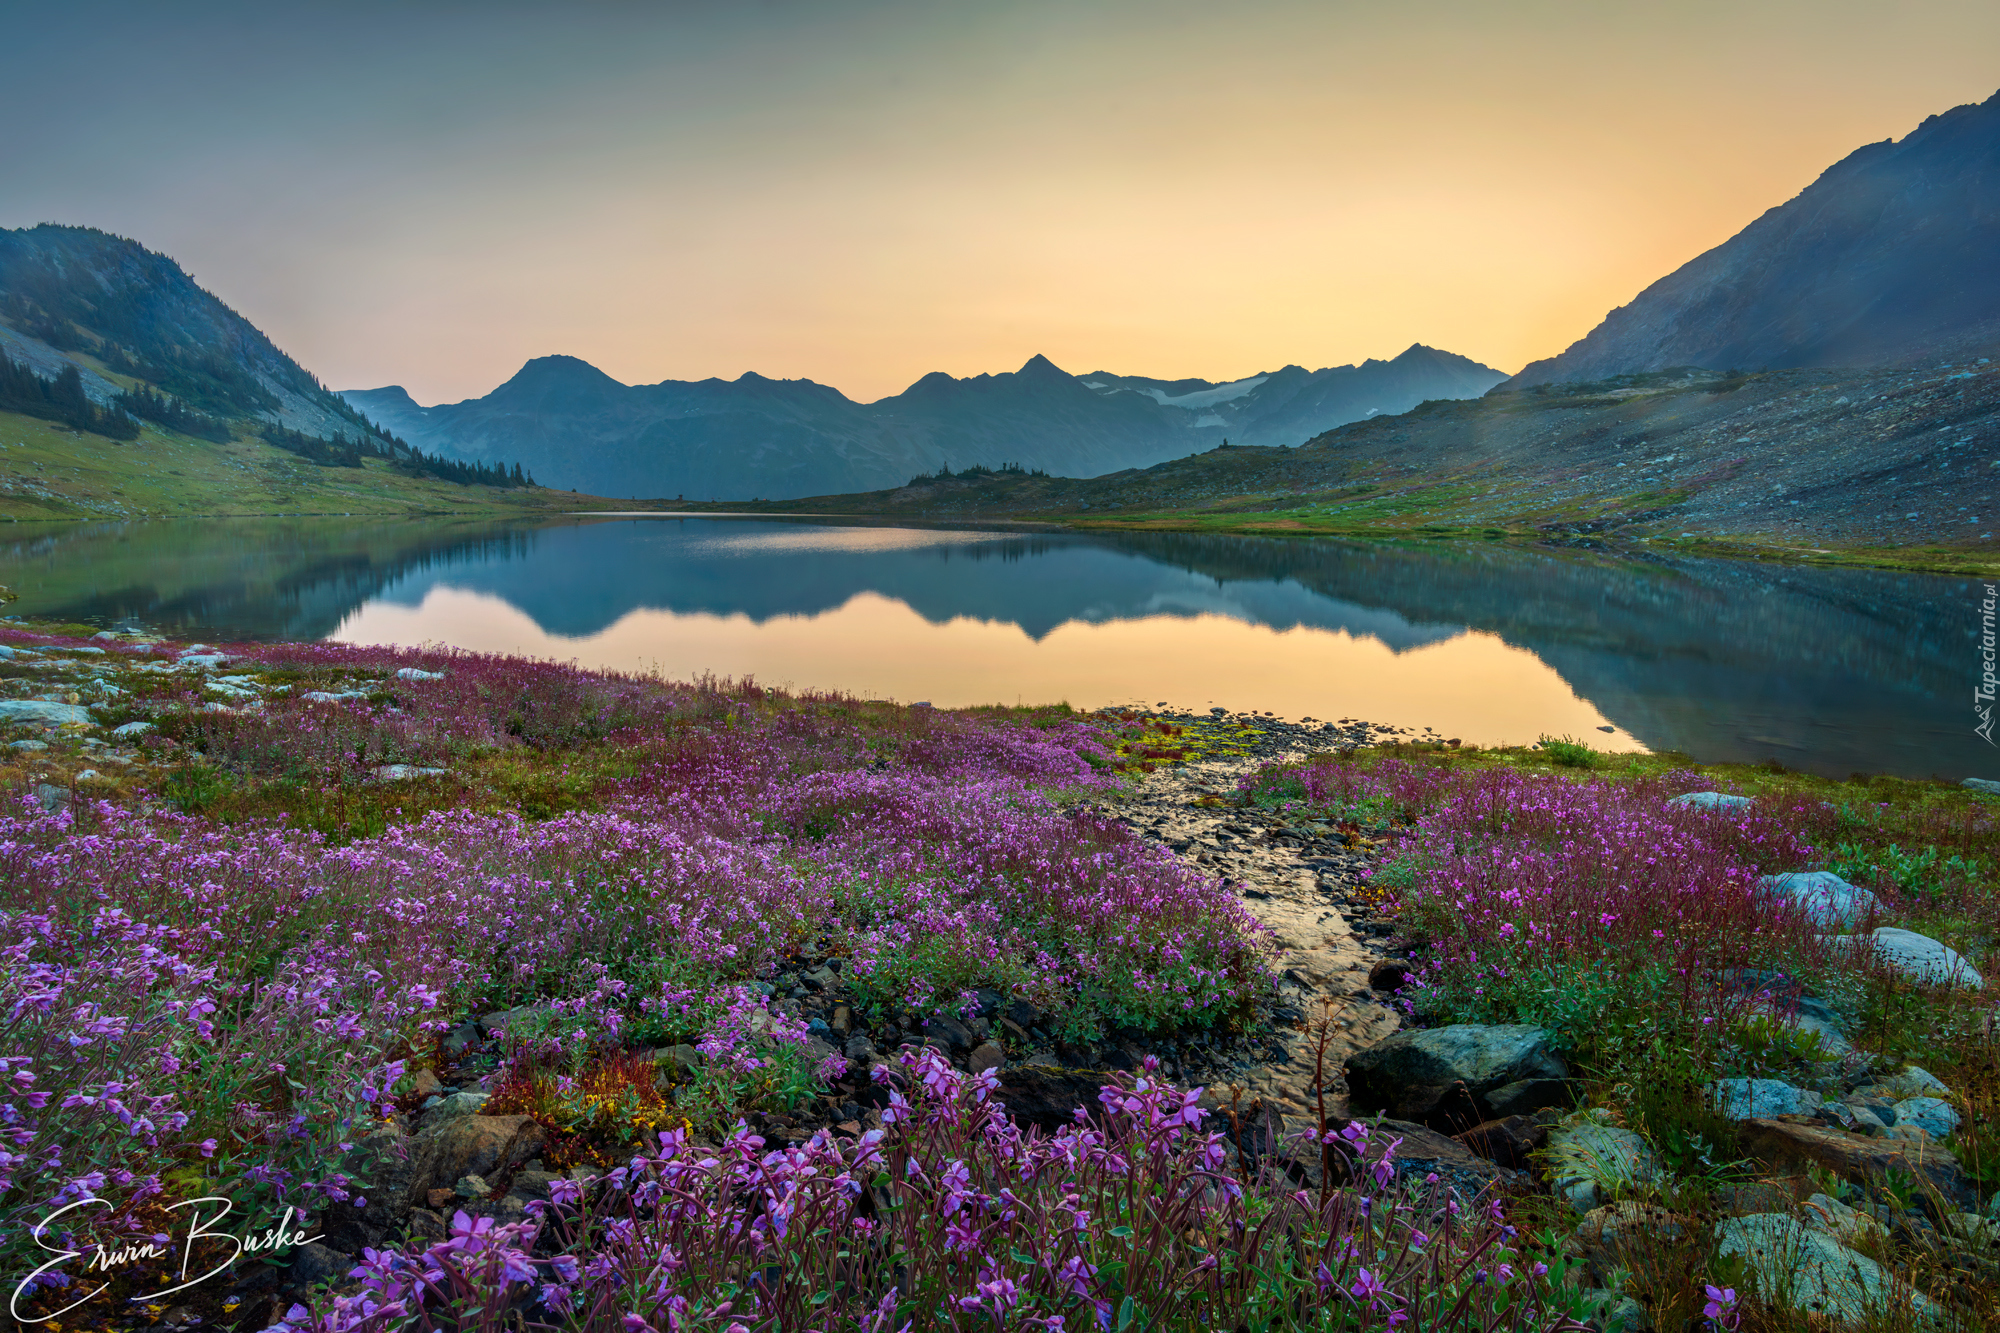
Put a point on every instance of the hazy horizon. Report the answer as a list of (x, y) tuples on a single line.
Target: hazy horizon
[(431, 195)]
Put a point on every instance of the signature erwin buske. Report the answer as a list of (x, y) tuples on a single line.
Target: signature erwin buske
[(99, 1259)]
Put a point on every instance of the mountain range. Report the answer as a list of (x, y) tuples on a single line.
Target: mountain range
[(1891, 257), (574, 426)]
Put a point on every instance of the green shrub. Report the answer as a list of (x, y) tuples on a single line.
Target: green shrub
[(1566, 751)]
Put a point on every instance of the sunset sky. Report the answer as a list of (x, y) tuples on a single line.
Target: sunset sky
[(860, 192)]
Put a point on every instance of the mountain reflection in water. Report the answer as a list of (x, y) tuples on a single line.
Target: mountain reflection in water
[(1832, 670)]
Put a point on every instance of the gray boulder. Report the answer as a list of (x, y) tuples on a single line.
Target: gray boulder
[(133, 729), (1809, 1270), (40, 712), (1921, 958), (1935, 1116), (1826, 899), (1987, 785), (417, 673), (1913, 1081), (1712, 800), (1760, 1098), (1445, 1073), (315, 1265), (1589, 1161)]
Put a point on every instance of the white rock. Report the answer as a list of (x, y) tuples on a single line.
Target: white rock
[(1712, 800), (206, 661), (1808, 1269), (1987, 785), (330, 697), (92, 652), (1922, 958), (29, 745), (404, 772), (6, 653), (133, 729), (458, 1104), (413, 673), (1761, 1098), (1933, 1115), (1824, 897)]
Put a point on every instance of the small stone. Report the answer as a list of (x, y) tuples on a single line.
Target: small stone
[(51, 798), (415, 673), (947, 1033), (843, 1021), (423, 1083), (985, 1056), (29, 747), (440, 1198), (458, 1104), (461, 1039), (472, 1187), (1712, 800), (133, 729)]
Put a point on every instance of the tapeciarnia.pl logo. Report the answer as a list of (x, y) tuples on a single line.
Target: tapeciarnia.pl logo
[(1982, 694)]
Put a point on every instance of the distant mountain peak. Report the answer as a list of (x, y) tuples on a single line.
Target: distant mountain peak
[(1040, 365)]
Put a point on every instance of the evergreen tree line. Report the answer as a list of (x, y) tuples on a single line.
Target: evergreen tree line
[(336, 452), (173, 414), (976, 471), (60, 399), (404, 456), (63, 399)]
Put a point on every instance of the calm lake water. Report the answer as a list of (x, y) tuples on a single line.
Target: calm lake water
[(1831, 670)]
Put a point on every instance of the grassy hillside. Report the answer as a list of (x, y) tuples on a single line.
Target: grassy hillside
[(49, 471)]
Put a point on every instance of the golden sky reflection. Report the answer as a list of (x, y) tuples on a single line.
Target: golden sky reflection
[(1473, 686)]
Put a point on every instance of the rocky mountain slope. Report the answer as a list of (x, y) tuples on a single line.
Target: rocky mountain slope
[(1886, 459), (572, 425), (120, 313), (1891, 256)]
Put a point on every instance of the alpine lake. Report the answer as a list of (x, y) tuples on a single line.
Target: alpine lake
[(1833, 671)]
